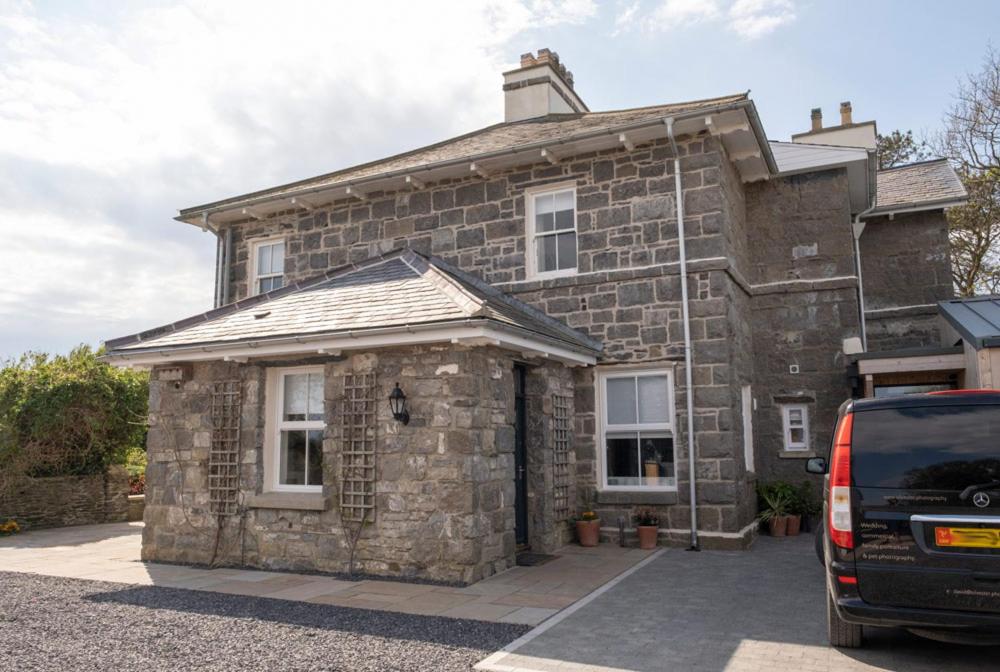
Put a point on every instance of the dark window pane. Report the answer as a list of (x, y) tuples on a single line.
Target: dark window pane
[(926, 448), (657, 459), (564, 219), (315, 457), (567, 250), (622, 459), (544, 222), (293, 458), (546, 253)]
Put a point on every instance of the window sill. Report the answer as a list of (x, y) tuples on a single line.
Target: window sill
[(637, 497), (302, 501), (796, 454)]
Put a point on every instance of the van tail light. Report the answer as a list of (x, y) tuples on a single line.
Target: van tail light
[(841, 534)]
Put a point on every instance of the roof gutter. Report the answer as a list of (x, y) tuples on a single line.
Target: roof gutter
[(916, 207), (203, 212)]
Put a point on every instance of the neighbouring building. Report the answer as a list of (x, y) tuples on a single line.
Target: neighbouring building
[(522, 287)]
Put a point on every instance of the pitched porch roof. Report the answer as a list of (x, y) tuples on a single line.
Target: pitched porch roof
[(398, 298)]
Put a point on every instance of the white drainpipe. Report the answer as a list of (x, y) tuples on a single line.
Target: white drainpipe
[(857, 228), (688, 375)]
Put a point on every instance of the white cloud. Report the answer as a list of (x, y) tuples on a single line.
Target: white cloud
[(112, 118), (749, 19), (754, 18), (680, 13)]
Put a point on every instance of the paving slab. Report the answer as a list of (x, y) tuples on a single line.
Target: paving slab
[(523, 595), (761, 610)]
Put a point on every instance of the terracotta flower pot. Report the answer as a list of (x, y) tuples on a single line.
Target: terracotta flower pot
[(647, 536), (778, 526), (794, 525), (588, 532)]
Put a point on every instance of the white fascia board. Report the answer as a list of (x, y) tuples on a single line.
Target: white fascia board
[(952, 362), (343, 343)]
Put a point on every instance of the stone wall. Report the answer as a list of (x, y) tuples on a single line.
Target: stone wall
[(906, 270), (801, 311), (444, 483), (59, 501)]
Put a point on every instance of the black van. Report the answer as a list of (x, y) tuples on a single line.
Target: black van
[(911, 536)]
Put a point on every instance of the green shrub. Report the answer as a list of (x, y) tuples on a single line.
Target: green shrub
[(68, 415), (798, 499)]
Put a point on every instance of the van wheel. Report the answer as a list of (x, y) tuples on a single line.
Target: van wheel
[(842, 634)]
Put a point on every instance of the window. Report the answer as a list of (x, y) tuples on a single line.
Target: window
[(268, 265), (552, 226), (795, 420), (297, 426), (637, 430)]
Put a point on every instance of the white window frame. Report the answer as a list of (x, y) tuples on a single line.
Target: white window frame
[(746, 406), (786, 425), (661, 428), (254, 255), (274, 424), (531, 255)]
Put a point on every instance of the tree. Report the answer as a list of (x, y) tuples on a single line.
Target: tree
[(971, 140), (897, 149)]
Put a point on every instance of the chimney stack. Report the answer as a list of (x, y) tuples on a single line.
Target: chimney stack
[(541, 86), (817, 119), (845, 113)]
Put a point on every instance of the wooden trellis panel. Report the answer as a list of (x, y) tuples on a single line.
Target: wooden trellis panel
[(561, 475), (357, 475), (224, 457)]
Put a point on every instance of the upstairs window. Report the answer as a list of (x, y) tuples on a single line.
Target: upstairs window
[(268, 265), (551, 218), (637, 430), (795, 419)]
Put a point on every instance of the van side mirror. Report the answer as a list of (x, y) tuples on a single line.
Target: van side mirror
[(816, 465)]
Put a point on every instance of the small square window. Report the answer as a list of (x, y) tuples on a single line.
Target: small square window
[(795, 422)]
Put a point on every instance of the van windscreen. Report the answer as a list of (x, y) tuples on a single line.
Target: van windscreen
[(926, 448)]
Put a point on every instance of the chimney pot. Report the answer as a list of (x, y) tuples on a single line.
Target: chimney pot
[(845, 113), (817, 119), (527, 60)]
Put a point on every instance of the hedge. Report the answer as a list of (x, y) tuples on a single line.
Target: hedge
[(68, 415)]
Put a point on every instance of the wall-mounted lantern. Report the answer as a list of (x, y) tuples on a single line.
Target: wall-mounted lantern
[(397, 402)]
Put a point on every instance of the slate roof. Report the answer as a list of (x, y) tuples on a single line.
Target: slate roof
[(394, 290), (977, 319), (499, 137), (916, 184)]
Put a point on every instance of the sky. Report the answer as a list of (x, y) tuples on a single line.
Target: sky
[(115, 115)]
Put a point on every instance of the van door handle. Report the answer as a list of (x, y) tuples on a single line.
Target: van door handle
[(989, 577)]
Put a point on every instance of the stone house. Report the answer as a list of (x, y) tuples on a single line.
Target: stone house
[(639, 308)]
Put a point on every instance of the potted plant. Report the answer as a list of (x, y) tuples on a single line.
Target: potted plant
[(774, 511), (648, 525), (806, 505), (588, 528)]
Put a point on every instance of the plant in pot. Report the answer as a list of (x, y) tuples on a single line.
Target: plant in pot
[(648, 525), (807, 505), (588, 528), (774, 511)]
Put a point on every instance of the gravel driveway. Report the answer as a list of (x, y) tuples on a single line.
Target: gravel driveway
[(49, 623)]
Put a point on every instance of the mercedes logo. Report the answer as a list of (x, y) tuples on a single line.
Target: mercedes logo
[(981, 499)]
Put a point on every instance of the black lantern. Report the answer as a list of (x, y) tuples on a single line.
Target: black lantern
[(397, 402)]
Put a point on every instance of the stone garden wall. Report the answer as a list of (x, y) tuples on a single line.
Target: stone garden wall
[(69, 500)]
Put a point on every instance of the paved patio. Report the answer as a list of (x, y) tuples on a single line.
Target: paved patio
[(756, 611), (523, 595)]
